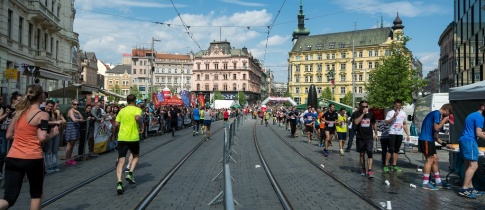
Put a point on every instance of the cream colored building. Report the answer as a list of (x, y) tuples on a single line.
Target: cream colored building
[(119, 76), (313, 59), (173, 71)]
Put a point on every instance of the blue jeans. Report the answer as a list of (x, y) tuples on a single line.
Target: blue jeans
[(3, 149), (351, 138), (51, 153)]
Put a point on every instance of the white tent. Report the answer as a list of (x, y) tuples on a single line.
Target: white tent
[(223, 104), (468, 92)]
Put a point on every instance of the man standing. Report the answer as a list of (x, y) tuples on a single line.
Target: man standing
[(472, 129), (196, 114), (432, 124), (330, 119), (128, 122), (366, 124), (173, 114), (396, 119)]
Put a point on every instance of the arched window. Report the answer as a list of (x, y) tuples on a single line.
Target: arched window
[(225, 86), (234, 87), (198, 87), (198, 76), (244, 87)]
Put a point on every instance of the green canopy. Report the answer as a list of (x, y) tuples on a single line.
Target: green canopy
[(326, 103), (236, 106)]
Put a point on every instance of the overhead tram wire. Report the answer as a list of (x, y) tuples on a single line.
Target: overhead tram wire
[(185, 26), (270, 27)]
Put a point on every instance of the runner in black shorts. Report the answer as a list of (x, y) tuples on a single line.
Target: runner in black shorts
[(331, 118), (366, 126)]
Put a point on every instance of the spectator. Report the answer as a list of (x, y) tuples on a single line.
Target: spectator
[(72, 132)]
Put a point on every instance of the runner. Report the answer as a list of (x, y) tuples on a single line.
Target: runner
[(366, 123), (196, 114), (384, 129), (342, 129), (207, 123), (266, 118), (292, 117), (396, 119), (201, 113), (226, 117), (129, 126), (432, 124), (472, 129), (309, 120), (330, 119), (173, 114), (321, 128)]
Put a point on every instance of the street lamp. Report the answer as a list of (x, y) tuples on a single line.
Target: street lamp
[(152, 68), (77, 85)]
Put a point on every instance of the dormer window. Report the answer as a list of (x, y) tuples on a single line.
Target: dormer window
[(319, 46), (342, 45), (309, 47), (331, 45)]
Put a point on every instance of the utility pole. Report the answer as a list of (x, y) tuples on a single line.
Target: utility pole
[(148, 89), (353, 75)]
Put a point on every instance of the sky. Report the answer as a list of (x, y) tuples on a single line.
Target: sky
[(110, 28)]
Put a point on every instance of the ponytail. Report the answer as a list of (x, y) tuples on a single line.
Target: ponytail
[(34, 92)]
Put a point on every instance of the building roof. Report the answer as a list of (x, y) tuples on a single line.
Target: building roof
[(365, 37), (119, 69), (172, 56), (225, 48)]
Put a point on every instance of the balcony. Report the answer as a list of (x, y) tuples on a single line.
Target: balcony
[(43, 57), (40, 14)]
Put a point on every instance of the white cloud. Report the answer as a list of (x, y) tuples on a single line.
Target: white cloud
[(275, 40), (244, 3), (90, 4), (429, 60), (405, 8)]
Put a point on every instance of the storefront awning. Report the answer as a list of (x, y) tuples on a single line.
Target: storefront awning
[(38, 72), (111, 93), (71, 91)]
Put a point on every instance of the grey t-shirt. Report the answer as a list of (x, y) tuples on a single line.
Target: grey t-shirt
[(207, 114)]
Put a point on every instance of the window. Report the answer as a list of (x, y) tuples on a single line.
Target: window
[(306, 57), (234, 87), (319, 46), (342, 77), (144, 63), (169, 79), (46, 37), (297, 90), (163, 79), (306, 78), (297, 68), (333, 66), (343, 55), (310, 67), (157, 80), (306, 90), (225, 87), (244, 76), (342, 45), (370, 53), (31, 28), (216, 87), (134, 63), (175, 80), (52, 6), (297, 79), (175, 71), (309, 47), (342, 90), (37, 39), (355, 77), (117, 82), (224, 65), (328, 78), (134, 71), (331, 45), (319, 56), (319, 78), (328, 67), (360, 89), (52, 45), (360, 77), (319, 67), (333, 55), (234, 77), (310, 57), (376, 53), (306, 67), (216, 76), (110, 82), (206, 87), (21, 30), (206, 76), (144, 71), (360, 65), (376, 64), (387, 52), (198, 87), (206, 66), (244, 87), (163, 70), (58, 10), (198, 76), (216, 66), (198, 66), (360, 54), (297, 58), (57, 49), (370, 65), (328, 56), (319, 90), (311, 78), (234, 65), (9, 32), (188, 80), (342, 66), (169, 71)]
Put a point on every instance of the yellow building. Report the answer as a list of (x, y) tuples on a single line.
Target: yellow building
[(325, 60)]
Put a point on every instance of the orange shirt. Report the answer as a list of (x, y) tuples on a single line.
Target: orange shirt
[(322, 123), (25, 145)]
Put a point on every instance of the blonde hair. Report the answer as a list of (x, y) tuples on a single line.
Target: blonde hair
[(34, 92)]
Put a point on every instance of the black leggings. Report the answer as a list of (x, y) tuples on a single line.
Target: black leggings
[(15, 169), (395, 142), (293, 127)]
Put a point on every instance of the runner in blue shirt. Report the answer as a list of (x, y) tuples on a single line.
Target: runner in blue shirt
[(309, 120), (432, 124), (472, 130), (196, 114)]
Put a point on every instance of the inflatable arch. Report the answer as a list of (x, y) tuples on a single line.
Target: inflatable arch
[(279, 99)]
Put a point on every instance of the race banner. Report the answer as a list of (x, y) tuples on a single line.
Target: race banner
[(193, 99), (102, 134), (184, 95), (201, 100)]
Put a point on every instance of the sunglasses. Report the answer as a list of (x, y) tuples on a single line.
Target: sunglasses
[(365, 106), (75, 104)]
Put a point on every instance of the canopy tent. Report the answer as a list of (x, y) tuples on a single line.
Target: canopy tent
[(109, 93), (72, 91), (465, 100), (236, 106), (326, 103), (223, 104)]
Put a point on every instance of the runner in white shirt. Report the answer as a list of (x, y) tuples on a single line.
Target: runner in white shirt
[(396, 119)]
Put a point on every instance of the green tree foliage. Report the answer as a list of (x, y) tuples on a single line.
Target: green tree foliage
[(135, 91), (217, 96), (327, 94), (394, 78), (347, 99), (172, 90), (241, 97), (115, 89)]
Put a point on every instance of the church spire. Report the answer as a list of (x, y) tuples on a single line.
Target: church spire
[(301, 30)]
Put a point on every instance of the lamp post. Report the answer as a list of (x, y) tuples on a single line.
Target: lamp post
[(77, 85), (353, 75), (152, 68)]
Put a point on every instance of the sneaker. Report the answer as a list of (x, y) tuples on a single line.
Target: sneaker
[(363, 172), (193, 133), (119, 188), (347, 150), (127, 170), (73, 162), (444, 185), (130, 178), (342, 152), (429, 186), (325, 152), (396, 169), (385, 169), (467, 193), (370, 174), (475, 192), (56, 169)]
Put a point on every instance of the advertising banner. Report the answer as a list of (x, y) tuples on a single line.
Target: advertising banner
[(184, 95), (193, 99), (201, 100), (102, 134)]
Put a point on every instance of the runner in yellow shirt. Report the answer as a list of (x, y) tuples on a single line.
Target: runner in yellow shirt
[(341, 127)]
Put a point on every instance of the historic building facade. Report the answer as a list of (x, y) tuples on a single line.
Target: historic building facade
[(445, 64), (228, 70), (119, 79), (325, 60), (37, 41), (173, 71)]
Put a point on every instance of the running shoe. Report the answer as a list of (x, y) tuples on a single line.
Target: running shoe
[(127, 169), (467, 193), (119, 188), (385, 169), (396, 169), (130, 178), (363, 172), (320, 145), (193, 133), (429, 186), (444, 185), (370, 174), (475, 192), (325, 152), (341, 152)]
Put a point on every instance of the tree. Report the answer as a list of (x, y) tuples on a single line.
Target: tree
[(217, 96), (287, 94), (241, 97), (172, 90), (347, 99), (394, 78), (135, 91), (115, 89), (327, 94)]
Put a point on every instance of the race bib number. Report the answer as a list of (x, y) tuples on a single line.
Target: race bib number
[(365, 123), (330, 124), (398, 126)]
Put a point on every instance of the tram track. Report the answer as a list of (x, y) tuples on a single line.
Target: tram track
[(322, 169), (91, 179)]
